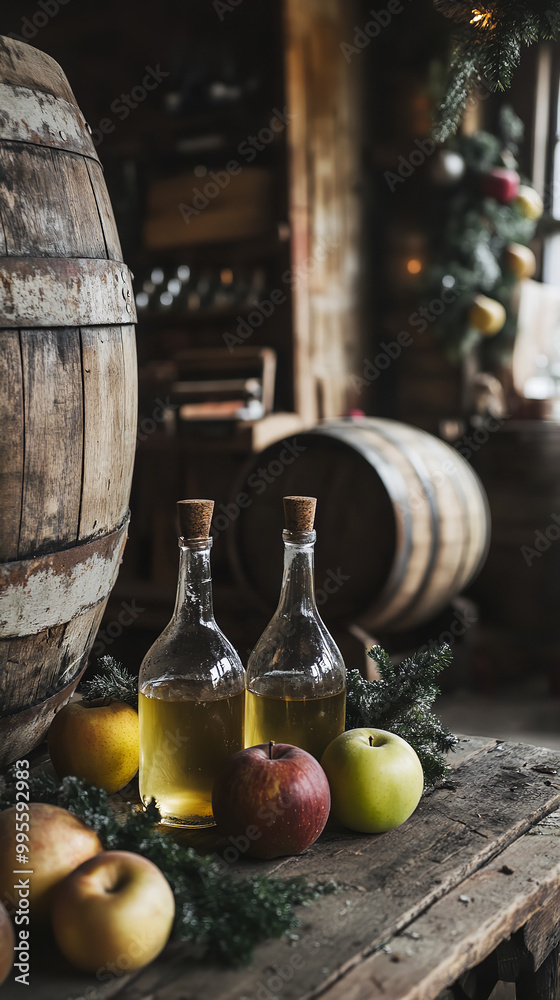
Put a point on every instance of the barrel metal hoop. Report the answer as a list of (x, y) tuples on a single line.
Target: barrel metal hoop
[(47, 292), (396, 488), (52, 589), (44, 120)]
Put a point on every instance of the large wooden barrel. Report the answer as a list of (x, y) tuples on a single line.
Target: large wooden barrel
[(402, 521), (519, 587), (67, 395)]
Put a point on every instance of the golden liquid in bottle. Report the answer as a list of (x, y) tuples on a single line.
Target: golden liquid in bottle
[(183, 745), (309, 723)]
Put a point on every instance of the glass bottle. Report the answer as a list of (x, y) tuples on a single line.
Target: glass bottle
[(191, 689), (296, 679)]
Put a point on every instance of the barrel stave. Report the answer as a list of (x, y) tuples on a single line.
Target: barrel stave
[(47, 204), (108, 450), (53, 434), (11, 442)]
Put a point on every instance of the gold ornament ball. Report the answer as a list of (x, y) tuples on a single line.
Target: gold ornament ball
[(529, 202), (520, 260), (487, 315)]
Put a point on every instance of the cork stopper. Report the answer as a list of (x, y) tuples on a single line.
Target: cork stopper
[(195, 517), (299, 513)]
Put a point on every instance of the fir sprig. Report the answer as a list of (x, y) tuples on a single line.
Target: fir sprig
[(400, 701), (487, 45), (112, 681), (224, 914)]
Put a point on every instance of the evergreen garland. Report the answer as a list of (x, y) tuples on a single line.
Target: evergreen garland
[(487, 44), (400, 701), (470, 234)]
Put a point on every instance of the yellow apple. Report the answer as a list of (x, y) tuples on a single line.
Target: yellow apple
[(487, 315), (114, 913), (529, 202), (520, 260), (96, 741), (58, 843), (7, 941)]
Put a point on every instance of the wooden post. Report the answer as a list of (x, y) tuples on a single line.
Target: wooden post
[(324, 145), (544, 984)]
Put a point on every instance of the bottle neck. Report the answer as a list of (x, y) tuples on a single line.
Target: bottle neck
[(193, 604), (297, 596)]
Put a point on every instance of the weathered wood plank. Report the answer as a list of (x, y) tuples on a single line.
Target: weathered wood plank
[(103, 491), (462, 929), (468, 747), (52, 378), (11, 448), (108, 224), (51, 211), (391, 879)]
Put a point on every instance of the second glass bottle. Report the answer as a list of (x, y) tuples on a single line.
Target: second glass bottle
[(296, 679)]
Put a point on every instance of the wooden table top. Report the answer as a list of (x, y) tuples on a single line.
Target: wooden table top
[(422, 904)]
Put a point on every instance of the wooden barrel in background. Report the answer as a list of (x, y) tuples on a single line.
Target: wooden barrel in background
[(402, 521), (67, 395), (519, 587)]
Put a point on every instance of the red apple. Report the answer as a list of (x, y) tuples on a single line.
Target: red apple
[(54, 842), (271, 799), (7, 942), (115, 913)]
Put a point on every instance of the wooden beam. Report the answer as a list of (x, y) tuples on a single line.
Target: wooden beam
[(324, 145)]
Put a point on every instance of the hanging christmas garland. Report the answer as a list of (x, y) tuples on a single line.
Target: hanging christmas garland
[(487, 44), (482, 220)]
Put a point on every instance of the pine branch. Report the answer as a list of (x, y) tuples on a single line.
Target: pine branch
[(488, 42), (112, 681), (400, 701), (225, 915)]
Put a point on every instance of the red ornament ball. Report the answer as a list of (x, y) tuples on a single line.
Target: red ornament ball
[(501, 184)]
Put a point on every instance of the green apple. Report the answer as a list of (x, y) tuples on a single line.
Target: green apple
[(375, 777)]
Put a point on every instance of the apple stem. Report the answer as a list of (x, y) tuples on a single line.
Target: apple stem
[(270, 745), (371, 741)]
